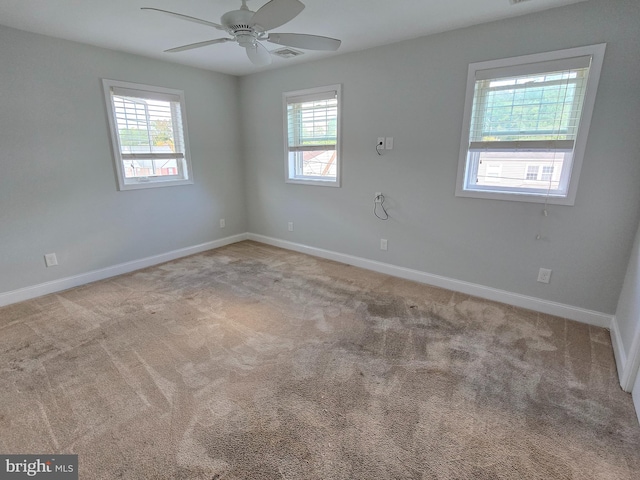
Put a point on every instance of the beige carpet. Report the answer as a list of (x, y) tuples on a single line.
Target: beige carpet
[(251, 362)]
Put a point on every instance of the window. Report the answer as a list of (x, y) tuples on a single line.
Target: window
[(532, 172), (547, 173), (312, 138), (148, 134), (530, 116)]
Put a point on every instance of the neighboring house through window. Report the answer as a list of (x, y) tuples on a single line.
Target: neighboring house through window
[(530, 116), (312, 136), (148, 134)]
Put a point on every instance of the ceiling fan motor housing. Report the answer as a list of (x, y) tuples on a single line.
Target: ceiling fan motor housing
[(238, 21), (238, 24)]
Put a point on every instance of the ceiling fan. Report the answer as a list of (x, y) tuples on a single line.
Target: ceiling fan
[(249, 28)]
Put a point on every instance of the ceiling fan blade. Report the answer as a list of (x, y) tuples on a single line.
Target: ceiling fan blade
[(275, 13), (186, 17), (259, 55), (309, 42), (197, 45)]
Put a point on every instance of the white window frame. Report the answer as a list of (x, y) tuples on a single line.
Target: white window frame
[(185, 172), (572, 172), (291, 170)]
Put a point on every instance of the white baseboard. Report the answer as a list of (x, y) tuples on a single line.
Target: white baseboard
[(636, 398), (552, 308), (589, 317), (627, 362), (618, 351), (53, 286)]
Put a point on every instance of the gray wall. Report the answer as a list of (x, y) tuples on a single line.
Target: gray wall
[(58, 191), (414, 91)]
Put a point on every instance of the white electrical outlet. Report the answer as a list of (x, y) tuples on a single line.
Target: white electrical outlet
[(388, 145), (290, 226), (51, 260), (383, 244), (544, 275), (222, 223)]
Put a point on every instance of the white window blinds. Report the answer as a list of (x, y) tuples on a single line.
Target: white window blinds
[(149, 124), (534, 107), (312, 122), (525, 127), (148, 135)]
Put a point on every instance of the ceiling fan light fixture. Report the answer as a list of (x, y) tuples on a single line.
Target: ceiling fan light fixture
[(246, 40)]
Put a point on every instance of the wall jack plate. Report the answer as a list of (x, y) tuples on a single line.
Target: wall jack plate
[(51, 260), (544, 275)]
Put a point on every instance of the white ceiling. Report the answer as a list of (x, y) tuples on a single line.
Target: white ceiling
[(360, 24)]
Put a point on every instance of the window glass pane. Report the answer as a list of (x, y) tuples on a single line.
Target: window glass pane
[(312, 135), (313, 123), (148, 134), (521, 170), (526, 125), (531, 107), (316, 163), (147, 126), (528, 108)]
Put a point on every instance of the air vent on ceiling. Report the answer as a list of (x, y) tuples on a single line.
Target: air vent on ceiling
[(287, 52), (513, 2)]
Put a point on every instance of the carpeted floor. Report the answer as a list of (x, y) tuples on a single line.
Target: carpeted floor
[(251, 362)]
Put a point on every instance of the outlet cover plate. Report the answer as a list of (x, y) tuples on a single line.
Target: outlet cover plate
[(544, 275), (51, 260)]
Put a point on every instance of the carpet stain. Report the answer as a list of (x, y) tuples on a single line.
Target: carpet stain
[(252, 362)]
